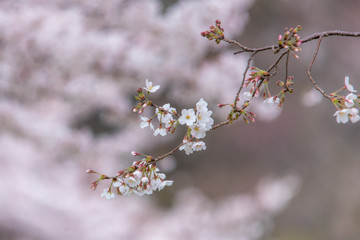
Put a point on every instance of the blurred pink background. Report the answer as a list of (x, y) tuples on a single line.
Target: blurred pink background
[(68, 73)]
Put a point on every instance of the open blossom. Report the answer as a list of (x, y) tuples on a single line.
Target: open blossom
[(247, 96), (354, 115), (198, 131), (198, 146), (349, 100), (160, 130), (108, 194), (203, 117), (190, 147), (201, 106), (146, 122), (187, 146), (150, 87), (144, 181), (165, 113), (348, 86), (342, 116), (271, 101), (187, 117)]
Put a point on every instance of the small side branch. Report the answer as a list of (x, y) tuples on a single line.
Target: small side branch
[(310, 67)]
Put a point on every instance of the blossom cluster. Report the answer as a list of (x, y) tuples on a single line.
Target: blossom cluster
[(290, 40), (198, 121), (216, 33), (144, 180), (346, 105), (143, 177)]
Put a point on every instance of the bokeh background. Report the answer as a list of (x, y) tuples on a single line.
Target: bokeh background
[(68, 73)]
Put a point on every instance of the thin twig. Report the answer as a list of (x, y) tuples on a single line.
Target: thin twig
[(310, 67), (244, 77)]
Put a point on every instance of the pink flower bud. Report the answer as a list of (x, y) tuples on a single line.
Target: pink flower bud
[(94, 185), (280, 37)]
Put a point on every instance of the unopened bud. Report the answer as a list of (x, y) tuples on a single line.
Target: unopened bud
[(134, 153), (252, 114), (94, 185)]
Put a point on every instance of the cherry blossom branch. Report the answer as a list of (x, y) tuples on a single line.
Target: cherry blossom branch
[(143, 177)]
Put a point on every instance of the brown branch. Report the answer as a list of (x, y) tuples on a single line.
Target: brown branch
[(243, 80), (330, 33), (310, 67), (155, 160), (246, 49)]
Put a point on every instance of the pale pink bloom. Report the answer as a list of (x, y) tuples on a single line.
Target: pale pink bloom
[(137, 174), (118, 183), (198, 146), (187, 147), (198, 131), (354, 115), (164, 184), (131, 181), (348, 86), (161, 131), (168, 108), (145, 122), (165, 117), (201, 106), (271, 101), (342, 116), (203, 117), (247, 96), (187, 117), (108, 194), (150, 87), (124, 189), (349, 100)]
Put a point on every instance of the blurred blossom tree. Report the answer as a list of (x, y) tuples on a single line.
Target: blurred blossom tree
[(67, 71)]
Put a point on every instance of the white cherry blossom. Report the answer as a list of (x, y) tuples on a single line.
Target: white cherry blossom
[(349, 100), (198, 131), (108, 194), (187, 117), (198, 146), (201, 106), (342, 116), (354, 115), (187, 146), (348, 86), (271, 101), (146, 122), (149, 86), (247, 96)]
